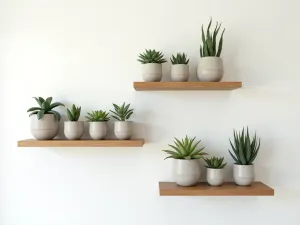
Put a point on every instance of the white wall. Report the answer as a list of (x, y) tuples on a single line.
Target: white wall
[(84, 52)]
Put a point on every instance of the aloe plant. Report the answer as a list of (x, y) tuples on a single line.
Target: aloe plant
[(215, 163), (98, 116), (209, 41), (244, 147), (74, 113), (185, 149), (151, 56), (122, 113), (45, 107), (179, 58)]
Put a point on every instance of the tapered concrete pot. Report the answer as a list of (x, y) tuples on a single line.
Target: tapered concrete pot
[(187, 172), (215, 177), (98, 130), (123, 129), (73, 129), (180, 72), (152, 72), (243, 174), (210, 69), (45, 128)]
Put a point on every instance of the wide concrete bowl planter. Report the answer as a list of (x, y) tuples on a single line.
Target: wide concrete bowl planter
[(152, 72), (187, 172), (210, 69), (45, 128), (243, 174)]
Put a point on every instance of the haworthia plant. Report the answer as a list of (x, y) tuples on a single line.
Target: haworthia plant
[(209, 41), (74, 113), (98, 116), (45, 107), (215, 163), (179, 58), (244, 147), (151, 56), (122, 112)]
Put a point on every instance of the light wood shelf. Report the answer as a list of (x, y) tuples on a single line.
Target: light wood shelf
[(185, 86), (81, 143), (204, 189)]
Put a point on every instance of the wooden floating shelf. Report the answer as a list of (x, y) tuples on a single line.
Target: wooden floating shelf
[(204, 189), (81, 143), (185, 86)]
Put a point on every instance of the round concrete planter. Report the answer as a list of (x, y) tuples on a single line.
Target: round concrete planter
[(44, 129), (73, 129), (187, 172), (243, 174), (180, 72), (215, 177), (152, 72), (210, 69), (123, 129), (98, 130)]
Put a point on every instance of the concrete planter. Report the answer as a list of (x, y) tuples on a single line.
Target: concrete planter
[(73, 130), (180, 72), (243, 174), (210, 69), (187, 172), (152, 72), (98, 130), (215, 177), (44, 129), (123, 129)]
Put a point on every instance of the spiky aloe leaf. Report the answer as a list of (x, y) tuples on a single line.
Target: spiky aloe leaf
[(220, 45)]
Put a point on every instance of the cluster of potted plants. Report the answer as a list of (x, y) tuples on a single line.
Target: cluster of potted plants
[(210, 66), (44, 121), (187, 155)]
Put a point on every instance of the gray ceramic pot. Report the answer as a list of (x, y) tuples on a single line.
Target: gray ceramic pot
[(215, 177), (98, 130), (44, 129), (180, 72), (123, 129), (187, 172), (243, 174), (210, 69), (73, 129), (152, 72)]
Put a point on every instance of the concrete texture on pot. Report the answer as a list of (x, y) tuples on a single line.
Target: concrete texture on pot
[(44, 129), (73, 130), (123, 129), (215, 177), (243, 174), (98, 130), (180, 72), (210, 69), (187, 172), (152, 72)]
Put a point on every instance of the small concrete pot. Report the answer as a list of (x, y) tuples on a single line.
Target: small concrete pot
[(98, 130), (210, 69), (152, 72), (73, 129), (215, 177), (187, 172), (44, 129), (123, 130), (243, 175), (180, 72)]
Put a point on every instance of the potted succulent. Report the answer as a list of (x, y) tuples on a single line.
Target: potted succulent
[(245, 150), (215, 171), (152, 68), (186, 156), (210, 67), (179, 68), (98, 124), (122, 127), (73, 128), (44, 120)]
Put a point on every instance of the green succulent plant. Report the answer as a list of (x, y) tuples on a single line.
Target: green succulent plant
[(215, 163), (180, 58), (151, 56), (209, 41), (98, 116), (122, 113), (45, 107), (244, 148), (74, 113), (185, 149)]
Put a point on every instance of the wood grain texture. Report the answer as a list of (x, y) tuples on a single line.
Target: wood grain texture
[(81, 143), (185, 86), (204, 189)]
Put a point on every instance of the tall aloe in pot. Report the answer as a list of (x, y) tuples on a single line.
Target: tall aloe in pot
[(244, 152), (210, 67), (186, 155)]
